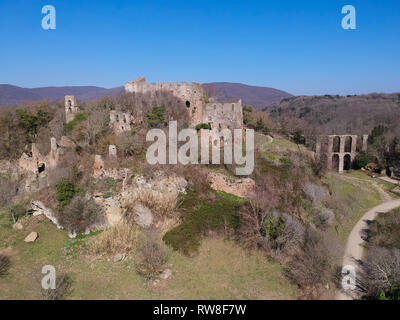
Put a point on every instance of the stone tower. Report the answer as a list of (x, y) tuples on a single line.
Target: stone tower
[(71, 108)]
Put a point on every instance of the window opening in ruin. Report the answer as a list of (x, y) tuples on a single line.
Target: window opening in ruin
[(70, 103), (41, 167), (187, 104)]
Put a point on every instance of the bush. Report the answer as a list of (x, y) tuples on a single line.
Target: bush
[(81, 214), (4, 265), (205, 126), (63, 288), (199, 216), (316, 264), (17, 211), (153, 256), (65, 191), (79, 117), (131, 143), (361, 160), (122, 238), (380, 274), (156, 117)]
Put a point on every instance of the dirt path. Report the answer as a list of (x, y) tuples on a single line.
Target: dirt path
[(354, 246)]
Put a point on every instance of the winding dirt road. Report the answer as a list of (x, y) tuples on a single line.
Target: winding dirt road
[(354, 246)]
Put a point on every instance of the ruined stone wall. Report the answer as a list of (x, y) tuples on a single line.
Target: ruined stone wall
[(224, 115), (121, 122), (191, 94)]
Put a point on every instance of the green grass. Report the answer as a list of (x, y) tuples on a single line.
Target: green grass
[(221, 270), (358, 196), (200, 216)]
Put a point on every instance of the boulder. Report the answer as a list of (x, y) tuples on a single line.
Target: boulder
[(31, 237), (143, 215), (18, 226), (166, 274), (119, 257)]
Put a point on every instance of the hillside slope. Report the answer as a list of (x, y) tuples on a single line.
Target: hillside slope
[(338, 114), (257, 97)]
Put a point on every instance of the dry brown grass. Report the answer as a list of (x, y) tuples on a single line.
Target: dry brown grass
[(122, 238)]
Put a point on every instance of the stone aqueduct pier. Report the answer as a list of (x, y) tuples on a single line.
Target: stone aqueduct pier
[(340, 150)]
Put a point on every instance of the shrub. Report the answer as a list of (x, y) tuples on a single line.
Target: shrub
[(122, 238), (79, 117), (4, 264), (155, 118), (130, 143), (316, 264), (80, 214), (153, 256), (199, 216), (65, 191), (319, 165), (380, 274), (63, 288), (16, 211), (384, 231), (361, 160), (205, 126)]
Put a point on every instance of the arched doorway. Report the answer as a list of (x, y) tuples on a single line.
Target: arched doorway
[(347, 162), (335, 162), (336, 144), (187, 104), (347, 144)]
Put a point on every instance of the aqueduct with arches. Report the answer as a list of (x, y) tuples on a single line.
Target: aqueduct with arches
[(342, 149)]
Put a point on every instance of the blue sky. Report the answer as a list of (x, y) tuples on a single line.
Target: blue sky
[(297, 46)]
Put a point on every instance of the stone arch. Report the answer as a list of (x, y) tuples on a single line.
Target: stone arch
[(335, 162), (347, 162), (336, 144), (348, 141)]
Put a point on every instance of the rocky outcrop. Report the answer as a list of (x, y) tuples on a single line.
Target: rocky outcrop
[(39, 208), (243, 187), (161, 187)]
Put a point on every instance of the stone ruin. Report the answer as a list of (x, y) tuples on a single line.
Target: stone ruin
[(217, 115), (340, 150), (71, 108), (121, 122), (36, 163)]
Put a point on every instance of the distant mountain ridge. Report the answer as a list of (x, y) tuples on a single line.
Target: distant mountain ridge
[(10, 94), (258, 97)]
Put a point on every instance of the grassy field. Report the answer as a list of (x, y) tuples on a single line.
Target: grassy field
[(357, 193), (221, 270)]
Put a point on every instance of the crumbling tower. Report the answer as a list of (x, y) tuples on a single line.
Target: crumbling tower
[(71, 108)]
